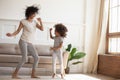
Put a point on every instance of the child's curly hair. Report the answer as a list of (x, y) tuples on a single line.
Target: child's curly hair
[(31, 10), (61, 29)]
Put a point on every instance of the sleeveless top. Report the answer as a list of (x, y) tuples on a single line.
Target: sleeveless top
[(29, 30)]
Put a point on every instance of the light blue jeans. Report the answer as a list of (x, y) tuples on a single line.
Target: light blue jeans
[(26, 48)]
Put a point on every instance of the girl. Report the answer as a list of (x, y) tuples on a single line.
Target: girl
[(29, 26), (60, 34)]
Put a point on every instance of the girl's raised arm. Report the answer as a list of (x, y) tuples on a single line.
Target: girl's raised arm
[(51, 33)]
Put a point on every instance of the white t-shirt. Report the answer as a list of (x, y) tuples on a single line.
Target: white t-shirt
[(29, 30)]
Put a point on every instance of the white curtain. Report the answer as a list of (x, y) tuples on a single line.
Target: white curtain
[(96, 25)]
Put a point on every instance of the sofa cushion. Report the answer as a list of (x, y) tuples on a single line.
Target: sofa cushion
[(43, 50), (6, 48), (13, 49), (42, 59), (10, 58)]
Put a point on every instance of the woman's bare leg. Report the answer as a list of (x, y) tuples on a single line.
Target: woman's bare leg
[(33, 74)]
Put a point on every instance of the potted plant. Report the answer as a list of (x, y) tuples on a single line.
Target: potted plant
[(73, 55)]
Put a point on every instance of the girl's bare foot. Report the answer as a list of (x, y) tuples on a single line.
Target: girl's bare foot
[(53, 76), (62, 76)]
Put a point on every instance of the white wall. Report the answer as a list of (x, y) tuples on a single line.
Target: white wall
[(70, 11)]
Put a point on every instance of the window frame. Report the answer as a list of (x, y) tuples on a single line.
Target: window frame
[(110, 35)]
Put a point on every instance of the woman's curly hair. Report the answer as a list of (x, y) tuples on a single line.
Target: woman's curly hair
[(31, 10), (61, 29)]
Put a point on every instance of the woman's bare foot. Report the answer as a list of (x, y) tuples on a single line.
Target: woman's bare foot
[(53, 76), (15, 73), (62, 76), (16, 77), (34, 76)]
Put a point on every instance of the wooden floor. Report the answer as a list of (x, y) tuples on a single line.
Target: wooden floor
[(5, 74), (67, 77)]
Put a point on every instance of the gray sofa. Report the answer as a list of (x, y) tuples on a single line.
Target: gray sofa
[(10, 55)]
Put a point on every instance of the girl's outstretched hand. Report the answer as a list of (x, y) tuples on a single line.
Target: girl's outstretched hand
[(52, 48), (9, 34)]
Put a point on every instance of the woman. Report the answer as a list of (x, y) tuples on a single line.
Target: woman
[(29, 26)]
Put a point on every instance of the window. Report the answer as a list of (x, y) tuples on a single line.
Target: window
[(113, 38)]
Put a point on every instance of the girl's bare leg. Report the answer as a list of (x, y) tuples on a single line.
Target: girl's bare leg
[(53, 76)]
